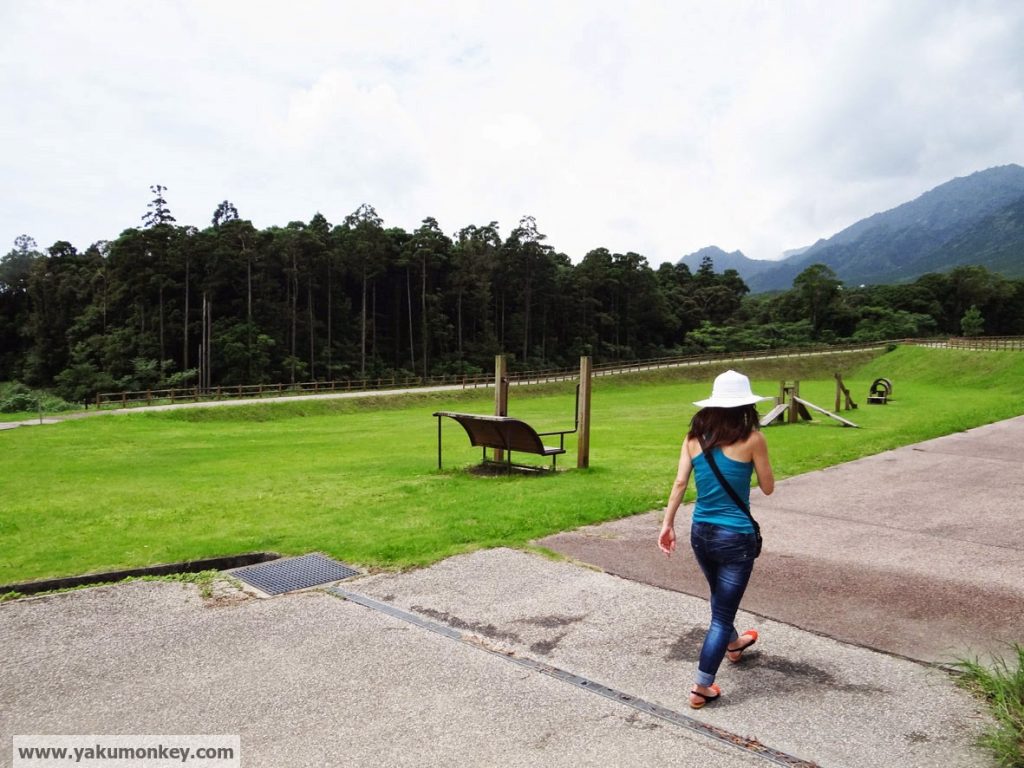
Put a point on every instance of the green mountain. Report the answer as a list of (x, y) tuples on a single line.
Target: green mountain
[(976, 219), (996, 243)]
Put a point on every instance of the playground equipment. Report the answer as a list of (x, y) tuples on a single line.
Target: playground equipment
[(841, 390), (795, 407), (880, 392)]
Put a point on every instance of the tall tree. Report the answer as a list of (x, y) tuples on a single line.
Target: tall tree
[(158, 212), (819, 288), (159, 223), (474, 257), (15, 269), (367, 248), (597, 282), (526, 254), (430, 249), (224, 213)]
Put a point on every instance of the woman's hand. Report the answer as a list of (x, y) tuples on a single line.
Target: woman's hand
[(667, 539)]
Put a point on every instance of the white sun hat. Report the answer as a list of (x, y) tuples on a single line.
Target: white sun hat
[(731, 390)]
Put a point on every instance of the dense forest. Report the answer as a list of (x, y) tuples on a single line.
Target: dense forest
[(163, 304)]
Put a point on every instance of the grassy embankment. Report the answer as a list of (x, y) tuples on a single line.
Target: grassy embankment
[(358, 479)]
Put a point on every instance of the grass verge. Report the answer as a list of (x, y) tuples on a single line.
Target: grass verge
[(358, 479), (1001, 685)]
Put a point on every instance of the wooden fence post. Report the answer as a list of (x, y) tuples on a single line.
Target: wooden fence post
[(583, 415), (500, 394)]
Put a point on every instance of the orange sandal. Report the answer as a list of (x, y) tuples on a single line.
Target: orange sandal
[(736, 656), (704, 697)]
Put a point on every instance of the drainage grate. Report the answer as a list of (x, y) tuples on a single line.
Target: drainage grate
[(280, 576)]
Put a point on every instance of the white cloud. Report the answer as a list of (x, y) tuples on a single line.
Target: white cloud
[(657, 127)]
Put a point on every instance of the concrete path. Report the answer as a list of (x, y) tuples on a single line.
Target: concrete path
[(28, 423), (310, 679), (228, 403), (917, 551)]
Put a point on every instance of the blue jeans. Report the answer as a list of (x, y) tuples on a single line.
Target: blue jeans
[(726, 557)]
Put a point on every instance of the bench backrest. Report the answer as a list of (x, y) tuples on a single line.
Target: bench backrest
[(499, 432)]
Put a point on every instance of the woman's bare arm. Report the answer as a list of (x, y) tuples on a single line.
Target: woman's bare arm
[(667, 537), (762, 465)]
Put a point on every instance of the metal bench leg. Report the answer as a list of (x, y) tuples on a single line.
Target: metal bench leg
[(438, 442)]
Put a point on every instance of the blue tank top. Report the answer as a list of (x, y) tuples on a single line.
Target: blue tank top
[(713, 502)]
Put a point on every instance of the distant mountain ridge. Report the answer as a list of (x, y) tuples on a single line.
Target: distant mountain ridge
[(746, 266), (976, 219)]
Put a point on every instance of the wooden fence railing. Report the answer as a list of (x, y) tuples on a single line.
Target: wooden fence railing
[(466, 381), (256, 391), (1012, 343)]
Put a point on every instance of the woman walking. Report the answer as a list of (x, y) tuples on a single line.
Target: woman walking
[(722, 449)]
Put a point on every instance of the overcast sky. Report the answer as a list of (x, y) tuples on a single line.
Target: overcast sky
[(658, 127)]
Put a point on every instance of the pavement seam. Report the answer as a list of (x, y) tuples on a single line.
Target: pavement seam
[(750, 746)]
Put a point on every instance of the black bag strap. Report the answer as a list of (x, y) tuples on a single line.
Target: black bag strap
[(725, 485)]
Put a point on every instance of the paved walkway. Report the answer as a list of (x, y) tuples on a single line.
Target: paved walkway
[(917, 551), (227, 403), (310, 679), (505, 650)]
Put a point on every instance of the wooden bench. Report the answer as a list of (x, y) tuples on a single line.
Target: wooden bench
[(505, 434)]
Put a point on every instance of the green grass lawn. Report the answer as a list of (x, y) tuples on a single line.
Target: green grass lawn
[(359, 479)]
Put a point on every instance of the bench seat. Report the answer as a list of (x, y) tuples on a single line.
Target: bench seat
[(502, 433)]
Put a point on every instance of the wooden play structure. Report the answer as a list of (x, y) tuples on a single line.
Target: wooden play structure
[(880, 392), (794, 408), (843, 394), (503, 434)]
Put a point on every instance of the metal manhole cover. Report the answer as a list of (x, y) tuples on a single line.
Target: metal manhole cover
[(287, 575)]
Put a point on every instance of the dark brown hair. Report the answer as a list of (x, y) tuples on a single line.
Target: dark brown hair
[(723, 426)]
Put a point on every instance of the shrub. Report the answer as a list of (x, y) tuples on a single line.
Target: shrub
[(17, 398)]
